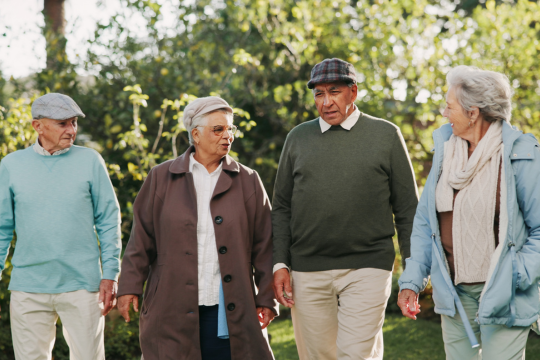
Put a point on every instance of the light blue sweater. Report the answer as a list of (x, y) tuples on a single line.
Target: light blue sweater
[(53, 204)]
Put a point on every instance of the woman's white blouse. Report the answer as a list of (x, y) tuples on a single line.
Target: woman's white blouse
[(209, 274)]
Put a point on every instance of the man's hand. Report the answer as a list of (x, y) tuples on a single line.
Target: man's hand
[(107, 295), (408, 303), (282, 282), (266, 315), (123, 305)]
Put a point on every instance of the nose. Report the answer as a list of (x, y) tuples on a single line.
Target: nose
[(227, 134), (72, 129), (445, 112), (326, 100)]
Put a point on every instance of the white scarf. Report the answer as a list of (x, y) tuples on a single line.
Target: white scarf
[(474, 209)]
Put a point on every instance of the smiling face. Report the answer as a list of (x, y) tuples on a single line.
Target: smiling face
[(334, 101), (56, 135), (456, 115), (209, 144)]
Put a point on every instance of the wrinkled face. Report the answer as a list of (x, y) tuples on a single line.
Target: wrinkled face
[(209, 141), (56, 135), (334, 100), (456, 115)]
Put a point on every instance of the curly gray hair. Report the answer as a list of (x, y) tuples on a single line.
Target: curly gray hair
[(489, 91), (202, 120)]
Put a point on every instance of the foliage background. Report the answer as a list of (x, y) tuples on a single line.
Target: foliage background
[(258, 56)]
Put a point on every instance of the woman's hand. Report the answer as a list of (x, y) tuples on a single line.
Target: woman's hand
[(266, 315), (123, 305), (408, 303)]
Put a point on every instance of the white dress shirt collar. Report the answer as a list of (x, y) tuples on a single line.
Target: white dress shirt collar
[(193, 162), (347, 124), (41, 151)]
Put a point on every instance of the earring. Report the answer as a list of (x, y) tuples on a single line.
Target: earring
[(471, 124)]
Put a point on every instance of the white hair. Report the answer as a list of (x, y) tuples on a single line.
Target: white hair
[(489, 91), (202, 120)]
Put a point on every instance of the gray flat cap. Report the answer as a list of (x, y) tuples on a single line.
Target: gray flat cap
[(55, 106)]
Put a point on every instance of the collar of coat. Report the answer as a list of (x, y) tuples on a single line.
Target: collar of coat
[(181, 164)]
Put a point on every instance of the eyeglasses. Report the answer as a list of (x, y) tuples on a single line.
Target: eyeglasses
[(219, 129)]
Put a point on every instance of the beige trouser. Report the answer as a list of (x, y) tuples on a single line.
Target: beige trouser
[(339, 314), (33, 324)]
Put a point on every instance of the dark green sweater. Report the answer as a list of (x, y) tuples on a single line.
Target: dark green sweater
[(337, 194)]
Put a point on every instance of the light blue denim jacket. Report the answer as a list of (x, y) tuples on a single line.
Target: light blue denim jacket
[(511, 293)]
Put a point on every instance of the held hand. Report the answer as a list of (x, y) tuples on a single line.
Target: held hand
[(266, 315), (107, 295), (123, 305), (408, 303), (282, 283)]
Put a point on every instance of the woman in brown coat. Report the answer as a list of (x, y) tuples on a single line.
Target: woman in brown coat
[(201, 232)]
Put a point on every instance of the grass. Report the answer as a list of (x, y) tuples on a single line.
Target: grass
[(404, 339)]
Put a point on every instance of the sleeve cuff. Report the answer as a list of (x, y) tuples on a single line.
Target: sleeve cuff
[(110, 275), (409, 286), (280, 266)]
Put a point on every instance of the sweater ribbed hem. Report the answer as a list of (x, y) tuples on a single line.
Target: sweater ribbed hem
[(380, 259), (55, 290)]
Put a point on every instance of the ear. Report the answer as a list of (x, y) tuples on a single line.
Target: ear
[(474, 113), (354, 90), (195, 134), (38, 126)]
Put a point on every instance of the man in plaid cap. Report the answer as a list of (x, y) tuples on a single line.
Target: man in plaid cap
[(56, 196), (344, 183)]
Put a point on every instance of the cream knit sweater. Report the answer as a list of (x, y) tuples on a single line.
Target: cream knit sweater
[(474, 209)]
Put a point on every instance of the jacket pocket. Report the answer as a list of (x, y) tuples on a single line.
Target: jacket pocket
[(149, 296)]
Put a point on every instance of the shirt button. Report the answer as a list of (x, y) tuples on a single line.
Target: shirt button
[(223, 250), (231, 307), (218, 220), (227, 278)]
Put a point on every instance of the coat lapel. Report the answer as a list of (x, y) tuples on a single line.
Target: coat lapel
[(224, 182)]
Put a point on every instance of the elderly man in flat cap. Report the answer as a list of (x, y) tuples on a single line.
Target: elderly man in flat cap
[(344, 182), (202, 242), (56, 196)]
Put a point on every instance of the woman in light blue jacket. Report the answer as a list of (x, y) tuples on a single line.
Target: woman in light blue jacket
[(477, 227)]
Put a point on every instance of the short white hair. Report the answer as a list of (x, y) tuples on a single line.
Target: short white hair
[(489, 91), (202, 120)]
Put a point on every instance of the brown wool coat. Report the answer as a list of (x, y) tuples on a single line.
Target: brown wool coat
[(162, 251)]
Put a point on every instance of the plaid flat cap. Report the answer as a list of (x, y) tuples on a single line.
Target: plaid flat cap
[(330, 70), (55, 106)]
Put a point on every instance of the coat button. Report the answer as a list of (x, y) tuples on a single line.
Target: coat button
[(227, 278), (218, 220), (223, 250), (231, 307)]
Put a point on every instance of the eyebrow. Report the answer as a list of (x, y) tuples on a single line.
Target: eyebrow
[(316, 91)]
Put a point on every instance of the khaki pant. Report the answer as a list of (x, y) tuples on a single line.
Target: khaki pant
[(497, 342), (339, 314), (33, 324)]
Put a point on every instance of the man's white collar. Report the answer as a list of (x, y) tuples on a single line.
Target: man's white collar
[(41, 151), (347, 124)]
